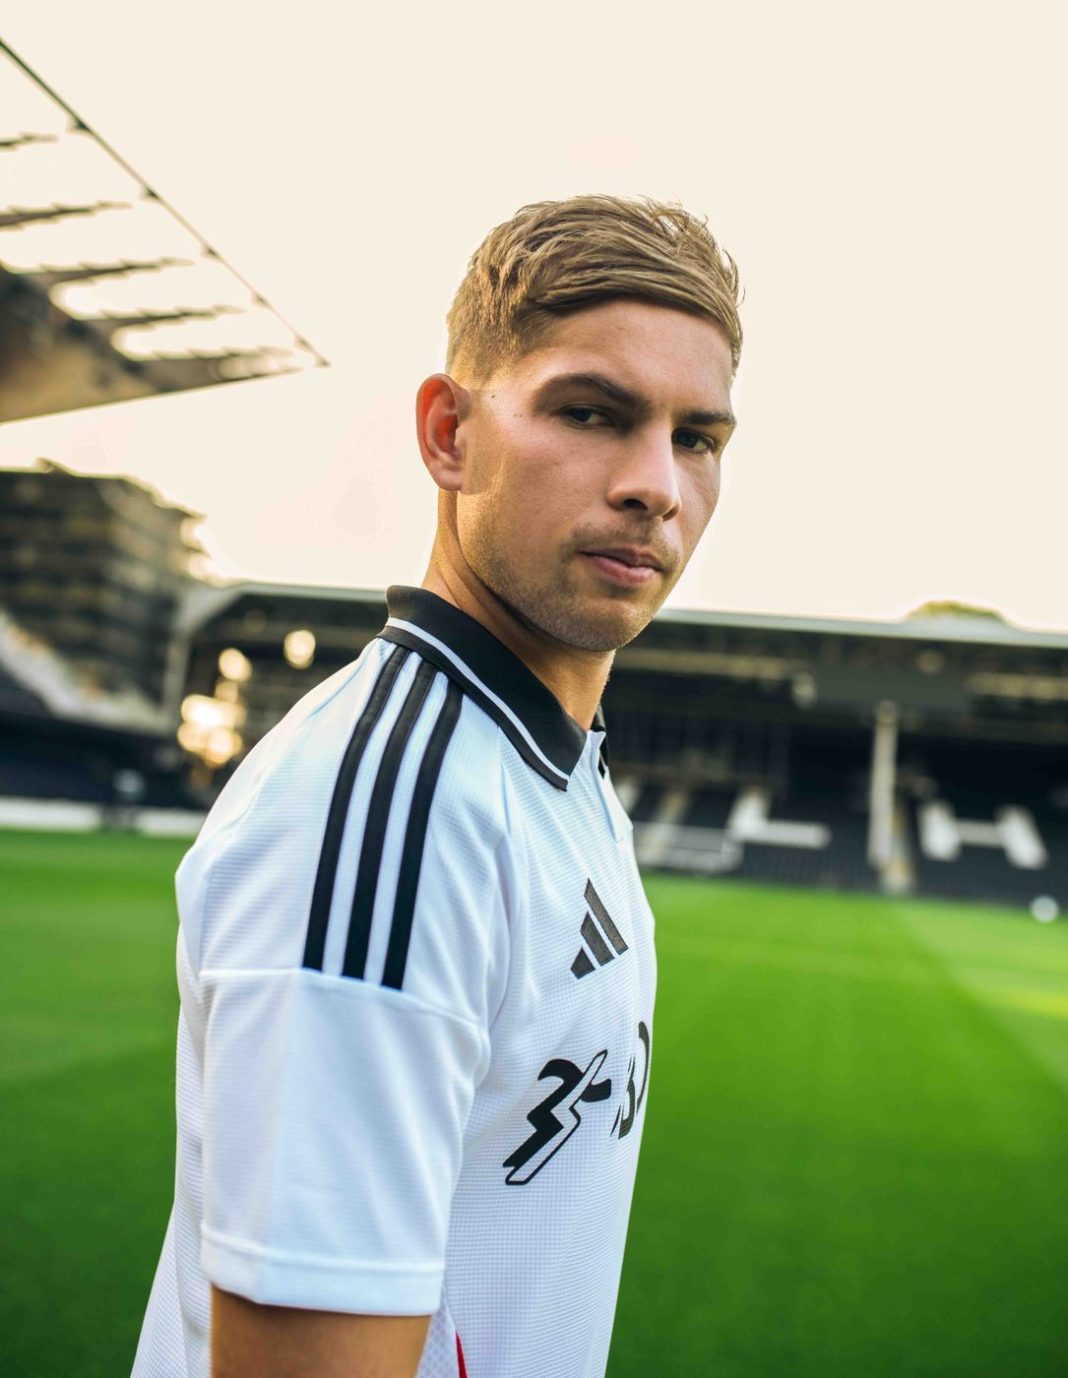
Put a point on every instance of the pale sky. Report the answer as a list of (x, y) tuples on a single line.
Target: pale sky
[(886, 176)]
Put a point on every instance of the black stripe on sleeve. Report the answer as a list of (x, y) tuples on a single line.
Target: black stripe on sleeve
[(415, 838), (323, 892), (374, 832), (557, 778), (595, 902)]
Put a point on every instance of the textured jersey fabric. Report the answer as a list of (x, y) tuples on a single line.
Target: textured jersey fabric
[(417, 978)]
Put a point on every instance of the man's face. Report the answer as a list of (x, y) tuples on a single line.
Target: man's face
[(592, 466)]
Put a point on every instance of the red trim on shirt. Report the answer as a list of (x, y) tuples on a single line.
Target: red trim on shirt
[(462, 1367)]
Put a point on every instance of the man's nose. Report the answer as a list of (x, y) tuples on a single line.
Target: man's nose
[(646, 477)]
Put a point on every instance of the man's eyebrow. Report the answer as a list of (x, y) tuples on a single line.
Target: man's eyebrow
[(615, 392)]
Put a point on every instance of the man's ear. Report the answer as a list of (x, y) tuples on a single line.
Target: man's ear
[(441, 404)]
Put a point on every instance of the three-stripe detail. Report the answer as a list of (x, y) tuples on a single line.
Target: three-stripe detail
[(596, 927), (376, 822), (420, 641)]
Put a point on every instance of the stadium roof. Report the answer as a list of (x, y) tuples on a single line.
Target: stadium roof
[(94, 262), (982, 630)]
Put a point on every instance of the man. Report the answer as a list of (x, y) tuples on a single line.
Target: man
[(415, 957)]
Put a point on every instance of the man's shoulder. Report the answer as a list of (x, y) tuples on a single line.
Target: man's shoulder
[(385, 763), (370, 710), (301, 739)]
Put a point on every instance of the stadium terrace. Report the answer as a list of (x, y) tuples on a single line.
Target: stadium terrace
[(923, 756)]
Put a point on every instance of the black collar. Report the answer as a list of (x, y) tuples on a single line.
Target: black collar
[(530, 714)]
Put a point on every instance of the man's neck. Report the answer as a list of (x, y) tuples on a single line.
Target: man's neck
[(576, 677)]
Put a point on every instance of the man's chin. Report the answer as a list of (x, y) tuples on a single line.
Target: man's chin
[(602, 630), (577, 618)]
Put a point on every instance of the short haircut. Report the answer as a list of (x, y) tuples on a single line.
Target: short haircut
[(555, 257)]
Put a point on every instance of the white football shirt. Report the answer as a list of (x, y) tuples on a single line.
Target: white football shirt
[(417, 977)]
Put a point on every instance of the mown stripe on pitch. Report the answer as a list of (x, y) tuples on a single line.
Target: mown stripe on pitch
[(374, 830), (323, 892), (400, 933)]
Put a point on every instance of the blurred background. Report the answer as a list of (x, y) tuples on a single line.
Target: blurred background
[(226, 253)]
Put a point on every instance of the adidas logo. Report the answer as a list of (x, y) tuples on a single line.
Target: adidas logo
[(596, 926)]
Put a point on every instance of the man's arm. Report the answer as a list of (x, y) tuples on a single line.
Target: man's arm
[(253, 1341), (335, 1103)]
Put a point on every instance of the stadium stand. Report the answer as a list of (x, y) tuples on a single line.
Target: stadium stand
[(16, 699), (92, 572), (748, 745), (929, 755), (990, 824)]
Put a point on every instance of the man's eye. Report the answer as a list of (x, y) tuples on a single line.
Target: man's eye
[(699, 444), (587, 417)]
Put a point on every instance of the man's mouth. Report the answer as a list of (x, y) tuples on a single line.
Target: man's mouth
[(630, 566)]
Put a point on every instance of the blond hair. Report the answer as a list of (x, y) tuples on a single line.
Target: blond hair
[(554, 257)]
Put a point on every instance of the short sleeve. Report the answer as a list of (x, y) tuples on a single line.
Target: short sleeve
[(336, 1095), (334, 1115)]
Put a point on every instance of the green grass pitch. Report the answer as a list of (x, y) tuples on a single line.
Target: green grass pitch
[(855, 1160)]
